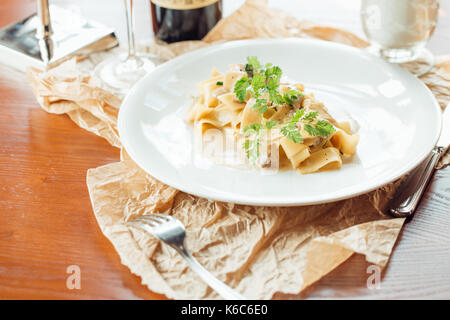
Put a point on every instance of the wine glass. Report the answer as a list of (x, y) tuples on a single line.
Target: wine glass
[(399, 30), (121, 72)]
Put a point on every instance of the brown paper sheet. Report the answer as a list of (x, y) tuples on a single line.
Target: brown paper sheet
[(262, 252)]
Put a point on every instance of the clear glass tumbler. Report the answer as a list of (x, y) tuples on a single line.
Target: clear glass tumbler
[(399, 30)]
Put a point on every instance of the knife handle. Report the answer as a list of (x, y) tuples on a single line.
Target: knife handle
[(407, 207)]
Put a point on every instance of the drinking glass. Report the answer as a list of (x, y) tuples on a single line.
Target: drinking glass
[(121, 72), (399, 30)]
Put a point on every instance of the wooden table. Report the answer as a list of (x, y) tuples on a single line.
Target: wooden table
[(46, 218)]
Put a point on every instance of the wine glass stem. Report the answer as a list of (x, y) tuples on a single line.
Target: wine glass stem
[(130, 29)]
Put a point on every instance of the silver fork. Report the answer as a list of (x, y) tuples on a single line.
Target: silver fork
[(171, 231)]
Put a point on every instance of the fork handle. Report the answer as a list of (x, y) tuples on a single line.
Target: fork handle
[(221, 288), (407, 207)]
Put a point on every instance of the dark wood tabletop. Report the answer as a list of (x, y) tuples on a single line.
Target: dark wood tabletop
[(47, 223)]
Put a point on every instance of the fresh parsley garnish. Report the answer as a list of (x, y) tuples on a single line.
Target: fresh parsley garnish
[(274, 72), (260, 81), (275, 97), (252, 143), (252, 66), (263, 84), (291, 95), (252, 128), (291, 132), (240, 88), (219, 83), (311, 116), (253, 133), (321, 128), (290, 129), (297, 116), (254, 62), (271, 124), (260, 105)]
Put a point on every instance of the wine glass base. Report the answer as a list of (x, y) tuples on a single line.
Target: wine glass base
[(418, 61), (423, 63), (118, 74)]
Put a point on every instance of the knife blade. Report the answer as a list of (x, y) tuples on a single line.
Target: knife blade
[(418, 180)]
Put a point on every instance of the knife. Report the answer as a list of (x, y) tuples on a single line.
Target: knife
[(418, 180)]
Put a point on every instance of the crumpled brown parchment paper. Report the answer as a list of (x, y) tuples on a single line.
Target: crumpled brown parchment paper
[(262, 252)]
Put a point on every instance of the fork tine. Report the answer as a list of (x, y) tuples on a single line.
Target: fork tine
[(150, 223), (171, 231), (165, 217), (154, 218), (151, 217)]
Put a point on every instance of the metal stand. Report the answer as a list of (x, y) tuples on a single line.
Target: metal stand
[(40, 42)]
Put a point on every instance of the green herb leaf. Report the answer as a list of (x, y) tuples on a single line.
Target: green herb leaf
[(258, 82), (219, 83), (266, 80), (288, 99), (311, 116), (254, 62), (295, 93), (270, 124), (240, 88), (273, 75), (251, 148), (275, 97), (291, 132), (298, 114), (261, 80), (252, 144), (321, 129), (291, 95), (253, 128), (249, 70), (272, 83), (274, 72), (260, 105)]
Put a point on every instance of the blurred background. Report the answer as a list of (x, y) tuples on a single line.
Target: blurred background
[(336, 13)]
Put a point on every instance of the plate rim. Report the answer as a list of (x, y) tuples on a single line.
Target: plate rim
[(263, 202)]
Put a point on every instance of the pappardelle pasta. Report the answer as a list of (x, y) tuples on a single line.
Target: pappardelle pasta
[(273, 118)]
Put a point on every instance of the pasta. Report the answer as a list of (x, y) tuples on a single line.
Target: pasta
[(276, 124)]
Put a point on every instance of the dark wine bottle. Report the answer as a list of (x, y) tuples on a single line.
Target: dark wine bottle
[(179, 20)]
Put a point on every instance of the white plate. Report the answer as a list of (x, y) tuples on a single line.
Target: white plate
[(399, 122)]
